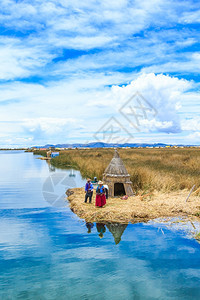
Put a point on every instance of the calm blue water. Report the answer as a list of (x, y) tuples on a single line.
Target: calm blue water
[(46, 252)]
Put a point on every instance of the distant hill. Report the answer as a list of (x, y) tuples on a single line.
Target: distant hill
[(106, 145)]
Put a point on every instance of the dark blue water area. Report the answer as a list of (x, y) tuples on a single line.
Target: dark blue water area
[(47, 252)]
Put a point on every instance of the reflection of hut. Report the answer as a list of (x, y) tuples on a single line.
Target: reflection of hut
[(117, 177), (117, 230)]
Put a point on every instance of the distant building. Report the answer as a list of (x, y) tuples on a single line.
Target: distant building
[(54, 154)]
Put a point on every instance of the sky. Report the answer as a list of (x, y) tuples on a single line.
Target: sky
[(109, 71)]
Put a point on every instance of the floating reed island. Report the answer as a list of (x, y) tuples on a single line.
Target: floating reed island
[(161, 179), (135, 208)]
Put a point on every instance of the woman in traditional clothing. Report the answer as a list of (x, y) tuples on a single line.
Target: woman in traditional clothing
[(100, 195)]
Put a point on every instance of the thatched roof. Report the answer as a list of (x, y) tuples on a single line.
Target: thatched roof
[(116, 166)]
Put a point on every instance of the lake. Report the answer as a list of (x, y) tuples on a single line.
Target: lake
[(47, 252)]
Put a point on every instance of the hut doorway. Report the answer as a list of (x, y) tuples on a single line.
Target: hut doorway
[(119, 189)]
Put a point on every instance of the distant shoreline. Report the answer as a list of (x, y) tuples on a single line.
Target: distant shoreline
[(17, 149), (103, 145)]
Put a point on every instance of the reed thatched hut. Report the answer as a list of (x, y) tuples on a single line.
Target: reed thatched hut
[(117, 177)]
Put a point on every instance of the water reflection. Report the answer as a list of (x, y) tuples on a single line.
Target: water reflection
[(51, 167), (89, 227), (72, 174), (47, 253), (117, 231), (101, 228)]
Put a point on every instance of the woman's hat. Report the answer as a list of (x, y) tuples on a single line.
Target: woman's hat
[(88, 179), (100, 182)]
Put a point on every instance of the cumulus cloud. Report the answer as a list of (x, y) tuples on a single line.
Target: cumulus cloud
[(63, 111), (63, 60), (163, 93)]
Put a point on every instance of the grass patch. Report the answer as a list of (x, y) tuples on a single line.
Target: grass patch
[(40, 152)]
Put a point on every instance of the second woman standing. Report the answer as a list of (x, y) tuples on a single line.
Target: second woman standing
[(100, 195)]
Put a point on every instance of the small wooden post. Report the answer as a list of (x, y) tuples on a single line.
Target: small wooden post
[(190, 193)]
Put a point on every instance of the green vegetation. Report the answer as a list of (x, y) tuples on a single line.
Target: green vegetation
[(40, 152), (167, 169)]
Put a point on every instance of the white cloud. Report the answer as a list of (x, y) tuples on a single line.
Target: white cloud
[(55, 25), (119, 41), (194, 138), (190, 63), (48, 126), (154, 125), (190, 17), (19, 60), (78, 108), (192, 124), (164, 93)]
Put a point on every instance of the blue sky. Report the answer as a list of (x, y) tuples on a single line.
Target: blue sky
[(68, 67)]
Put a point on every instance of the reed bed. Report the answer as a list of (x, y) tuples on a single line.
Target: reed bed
[(167, 169)]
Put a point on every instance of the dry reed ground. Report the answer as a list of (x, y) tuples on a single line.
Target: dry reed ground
[(136, 208)]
